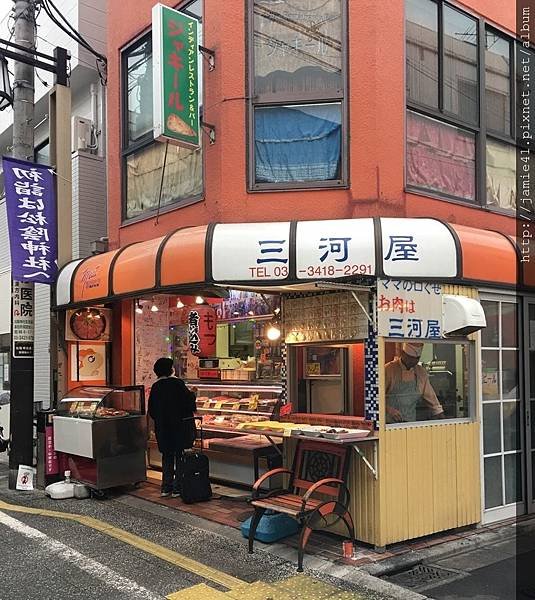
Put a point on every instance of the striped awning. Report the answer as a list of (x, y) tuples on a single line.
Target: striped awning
[(281, 256)]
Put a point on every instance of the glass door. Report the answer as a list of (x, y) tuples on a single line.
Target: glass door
[(529, 369), (503, 449)]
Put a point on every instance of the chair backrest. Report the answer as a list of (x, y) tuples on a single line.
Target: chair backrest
[(318, 460)]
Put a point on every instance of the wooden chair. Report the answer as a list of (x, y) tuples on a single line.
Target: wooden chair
[(318, 468)]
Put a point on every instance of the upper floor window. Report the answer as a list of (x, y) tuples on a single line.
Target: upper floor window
[(298, 94), (454, 65), (143, 158)]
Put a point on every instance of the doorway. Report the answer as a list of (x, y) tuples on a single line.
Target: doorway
[(529, 383), (503, 463)]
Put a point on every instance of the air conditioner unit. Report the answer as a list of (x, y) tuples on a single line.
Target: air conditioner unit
[(81, 133), (462, 315)]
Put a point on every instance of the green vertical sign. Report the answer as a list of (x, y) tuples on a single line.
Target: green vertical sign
[(175, 48)]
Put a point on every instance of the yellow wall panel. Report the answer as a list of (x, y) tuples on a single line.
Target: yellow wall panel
[(393, 479), (444, 451), (429, 480), (420, 480)]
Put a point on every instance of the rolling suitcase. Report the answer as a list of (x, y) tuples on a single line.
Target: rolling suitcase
[(195, 475)]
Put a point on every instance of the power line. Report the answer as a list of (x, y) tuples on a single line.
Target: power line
[(66, 27)]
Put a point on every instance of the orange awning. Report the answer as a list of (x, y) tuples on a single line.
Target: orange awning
[(287, 256)]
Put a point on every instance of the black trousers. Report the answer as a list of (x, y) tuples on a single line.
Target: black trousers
[(172, 468)]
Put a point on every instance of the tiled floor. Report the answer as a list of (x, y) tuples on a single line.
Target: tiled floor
[(231, 512)]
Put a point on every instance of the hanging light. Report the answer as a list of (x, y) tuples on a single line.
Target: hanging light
[(273, 333), (139, 309), (6, 94), (199, 300), (179, 303), (154, 308)]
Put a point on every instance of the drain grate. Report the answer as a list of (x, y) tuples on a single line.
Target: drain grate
[(421, 575)]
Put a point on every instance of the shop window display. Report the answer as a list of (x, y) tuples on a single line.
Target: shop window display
[(427, 381)]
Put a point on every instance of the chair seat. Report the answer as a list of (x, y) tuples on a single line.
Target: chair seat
[(290, 504)]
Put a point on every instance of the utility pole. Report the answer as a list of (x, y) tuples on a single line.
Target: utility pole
[(21, 373)]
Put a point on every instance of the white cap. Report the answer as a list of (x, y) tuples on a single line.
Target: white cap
[(413, 349)]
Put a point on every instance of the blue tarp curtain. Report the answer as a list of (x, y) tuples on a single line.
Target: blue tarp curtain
[(297, 143)]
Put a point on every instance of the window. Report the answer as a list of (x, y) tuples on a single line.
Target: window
[(437, 384), (143, 158), (498, 82), (422, 52), (454, 150), (298, 81), (460, 84), (440, 157)]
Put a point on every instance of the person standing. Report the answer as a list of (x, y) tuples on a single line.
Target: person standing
[(171, 406), (407, 385)]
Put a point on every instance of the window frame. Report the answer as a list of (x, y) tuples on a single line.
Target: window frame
[(127, 149), (480, 131), (472, 384), (254, 101)]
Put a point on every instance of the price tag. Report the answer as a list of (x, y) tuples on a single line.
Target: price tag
[(218, 405)]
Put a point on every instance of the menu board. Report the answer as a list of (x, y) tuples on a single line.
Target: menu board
[(152, 340)]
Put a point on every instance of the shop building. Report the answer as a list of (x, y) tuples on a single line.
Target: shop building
[(408, 198)]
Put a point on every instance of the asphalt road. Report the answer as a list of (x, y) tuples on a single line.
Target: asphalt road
[(43, 556)]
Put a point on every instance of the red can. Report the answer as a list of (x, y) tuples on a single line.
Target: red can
[(347, 548)]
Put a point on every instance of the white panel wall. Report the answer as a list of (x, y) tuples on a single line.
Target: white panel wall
[(41, 365), (88, 202)]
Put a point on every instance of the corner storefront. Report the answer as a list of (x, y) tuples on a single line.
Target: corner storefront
[(345, 295)]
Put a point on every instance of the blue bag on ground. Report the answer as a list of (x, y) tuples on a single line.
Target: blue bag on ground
[(272, 527)]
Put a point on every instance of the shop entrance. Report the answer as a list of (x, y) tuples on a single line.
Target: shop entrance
[(529, 370), (503, 464)]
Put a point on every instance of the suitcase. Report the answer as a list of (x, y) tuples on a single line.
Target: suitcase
[(195, 476)]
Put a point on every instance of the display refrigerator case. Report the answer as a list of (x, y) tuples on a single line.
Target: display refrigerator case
[(101, 433), (234, 455)]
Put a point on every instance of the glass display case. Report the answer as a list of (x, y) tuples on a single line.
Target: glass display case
[(101, 433), (102, 402), (225, 406)]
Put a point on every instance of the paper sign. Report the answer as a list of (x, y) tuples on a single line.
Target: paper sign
[(25, 478)]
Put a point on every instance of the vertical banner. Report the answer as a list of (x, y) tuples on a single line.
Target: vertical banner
[(22, 319), (175, 48), (31, 214)]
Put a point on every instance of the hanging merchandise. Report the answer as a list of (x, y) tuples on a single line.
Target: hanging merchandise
[(202, 330)]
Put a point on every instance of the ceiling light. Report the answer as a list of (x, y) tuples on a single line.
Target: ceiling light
[(179, 303), (154, 308), (273, 333), (199, 300), (139, 308)]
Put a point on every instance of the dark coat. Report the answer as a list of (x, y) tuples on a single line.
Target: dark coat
[(171, 405)]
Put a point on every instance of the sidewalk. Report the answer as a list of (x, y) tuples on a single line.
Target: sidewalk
[(398, 557)]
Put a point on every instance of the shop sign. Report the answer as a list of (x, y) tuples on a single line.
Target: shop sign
[(31, 215), (175, 48), (22, 298), (409, 309), (256, 252), (418, 248), (202, 322), (330, 249)]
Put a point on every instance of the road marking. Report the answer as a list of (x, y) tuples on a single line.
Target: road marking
[(179, 560), (92, 567)]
